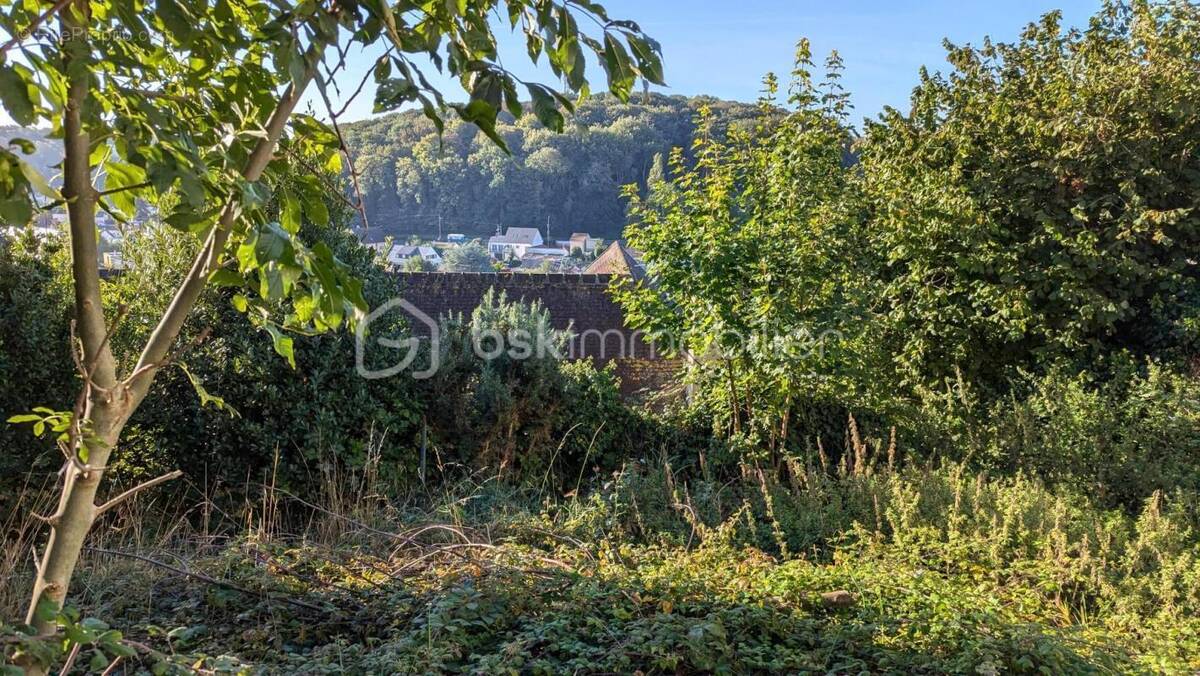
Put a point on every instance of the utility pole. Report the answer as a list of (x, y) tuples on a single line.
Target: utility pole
[(439, 227), (547, 229)]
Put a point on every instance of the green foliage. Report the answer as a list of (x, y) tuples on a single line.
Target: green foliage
[(664, 572), (469, 257), (96, 644), (411, 176), (91, 645), (189, 107), (34, 330), (504, 400), (980, 280), (1038, 201), (320, 411), (1118, 439), (750, 253)]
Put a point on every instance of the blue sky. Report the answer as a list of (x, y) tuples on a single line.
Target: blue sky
[(723, 48)]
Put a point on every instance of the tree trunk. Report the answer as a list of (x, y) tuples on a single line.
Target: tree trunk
[(101, 416), (71, 523), (108, 401)]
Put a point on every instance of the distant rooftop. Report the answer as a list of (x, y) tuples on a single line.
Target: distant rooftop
[(531, 236), (618, 259)]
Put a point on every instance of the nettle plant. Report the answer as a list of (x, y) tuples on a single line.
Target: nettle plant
[(190, 104)]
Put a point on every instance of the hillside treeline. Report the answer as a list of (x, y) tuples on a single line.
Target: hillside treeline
[(410, 177)]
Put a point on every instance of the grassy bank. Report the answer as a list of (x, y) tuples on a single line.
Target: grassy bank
[(869, 570)]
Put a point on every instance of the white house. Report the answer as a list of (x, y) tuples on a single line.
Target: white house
[(113, 260), (583, 242), (515, 243), (403, 252)]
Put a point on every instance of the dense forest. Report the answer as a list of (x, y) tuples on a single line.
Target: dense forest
[(571, 181)]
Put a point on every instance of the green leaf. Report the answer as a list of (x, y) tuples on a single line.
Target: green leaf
[(38, 181), (119, 176), (316, 209), (24, 145), (620, 70), (226, 277), (99, 661), (289, 216), (206, 398), (482, 115), (175, 20), (647, 52), (15, 94), (283, 344), (545, 107), (46, 610)]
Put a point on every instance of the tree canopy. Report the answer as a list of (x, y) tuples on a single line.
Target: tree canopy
[(415, 180), (1040, 200)]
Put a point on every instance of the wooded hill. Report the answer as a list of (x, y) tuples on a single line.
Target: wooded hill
[(410, 177)]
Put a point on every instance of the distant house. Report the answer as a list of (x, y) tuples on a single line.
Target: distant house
[(618, 259), (113, 260), (456, 238), (582, 242), (381, 249), (515, 242), (403, 252)]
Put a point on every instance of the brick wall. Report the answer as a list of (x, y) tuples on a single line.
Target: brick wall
[(581, 302)]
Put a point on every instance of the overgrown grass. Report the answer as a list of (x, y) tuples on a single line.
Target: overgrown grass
[(655, 571)]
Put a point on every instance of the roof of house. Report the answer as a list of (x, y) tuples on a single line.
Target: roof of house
[(580, 235), (518, 236), (409, 250), (617, 259)]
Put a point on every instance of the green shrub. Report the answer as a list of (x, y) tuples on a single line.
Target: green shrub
[(1034, 203), (319, 412), (34, 348), (512, 407), (1118, 438)]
